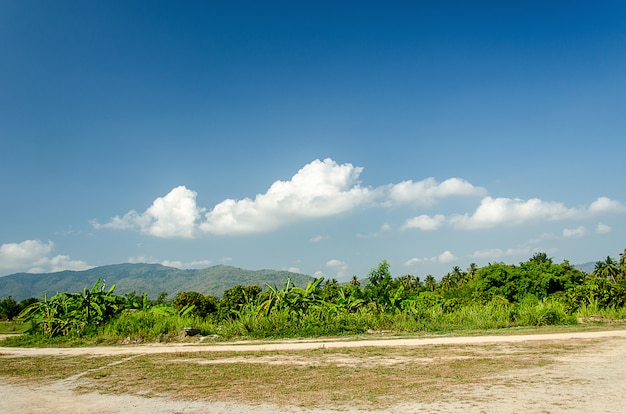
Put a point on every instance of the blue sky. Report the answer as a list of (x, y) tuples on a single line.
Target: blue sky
[(319, 137)]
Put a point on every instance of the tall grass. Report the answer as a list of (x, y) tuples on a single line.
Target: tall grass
[(146, 326)]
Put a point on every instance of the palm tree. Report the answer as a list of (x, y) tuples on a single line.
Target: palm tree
[(622, 264), (471, 271), (430, 282), (608, 269)]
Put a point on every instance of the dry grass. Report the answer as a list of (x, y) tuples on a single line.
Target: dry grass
[(358, 377)]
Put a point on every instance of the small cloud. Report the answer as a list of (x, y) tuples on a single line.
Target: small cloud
[(293, 269), (196, 264), (603, 228), (493, 254), (339, 267), (426, 192), (578, 232), (446, 257), (33, 256), (424, 222), (226, 259), (317, 238), (412, 262), (606, 205)]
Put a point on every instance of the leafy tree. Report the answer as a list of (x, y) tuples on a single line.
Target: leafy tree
[(9, 308), (235, 298), (430, 282), (378, 291), (330, 290), (202, 305)]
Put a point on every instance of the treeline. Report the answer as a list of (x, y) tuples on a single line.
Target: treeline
[(535, 292)]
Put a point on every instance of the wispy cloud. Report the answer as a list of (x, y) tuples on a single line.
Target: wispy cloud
[(194, 264), (445, 257)]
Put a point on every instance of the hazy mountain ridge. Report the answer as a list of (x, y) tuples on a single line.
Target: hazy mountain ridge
[(142, 277)]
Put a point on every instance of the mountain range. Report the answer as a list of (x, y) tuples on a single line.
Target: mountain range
[(140, 278)]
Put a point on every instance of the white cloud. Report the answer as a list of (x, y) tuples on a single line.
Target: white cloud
[(491, 254), (413, 262), (428, 191), (424, 222), (603, 228), (33, 256), (606, 205), (512, 211), (445, 257), (174, 215), (325, 188), (339, 267), (317, 238), (319, 189), (194, 264), (578, 232)]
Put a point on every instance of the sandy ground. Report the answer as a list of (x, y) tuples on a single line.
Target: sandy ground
[(581, 382)]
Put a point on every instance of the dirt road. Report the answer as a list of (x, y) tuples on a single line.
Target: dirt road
[(581, 382)]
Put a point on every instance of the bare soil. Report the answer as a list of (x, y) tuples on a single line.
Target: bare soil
[(585, 381)]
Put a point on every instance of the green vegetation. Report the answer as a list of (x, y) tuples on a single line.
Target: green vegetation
[(537, 292)]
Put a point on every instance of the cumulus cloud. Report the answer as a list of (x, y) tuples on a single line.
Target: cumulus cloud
[(606, 205), (424, 222), (511, 211), (602, 228), (319, 189), (33, 256), (428, 191), (174, 215), (326, 188)]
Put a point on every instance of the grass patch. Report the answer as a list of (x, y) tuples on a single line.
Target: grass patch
[(365, 378), (43, 370), (13, 327)]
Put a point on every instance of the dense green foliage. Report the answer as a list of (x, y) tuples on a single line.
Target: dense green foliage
[(533, 293)]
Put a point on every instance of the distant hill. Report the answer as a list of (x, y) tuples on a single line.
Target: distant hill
[(586, 267), (149, 278)]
